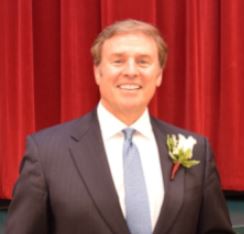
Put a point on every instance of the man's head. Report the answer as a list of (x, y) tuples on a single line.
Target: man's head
[(128, 62), (129, 26)]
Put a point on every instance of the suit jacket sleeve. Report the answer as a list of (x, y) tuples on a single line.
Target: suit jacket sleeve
[(28, 209), (214, 217)]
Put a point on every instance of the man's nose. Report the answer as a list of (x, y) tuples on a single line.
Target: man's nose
[(131, 69)]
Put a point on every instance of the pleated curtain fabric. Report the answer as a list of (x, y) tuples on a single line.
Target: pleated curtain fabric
[(46, 71)]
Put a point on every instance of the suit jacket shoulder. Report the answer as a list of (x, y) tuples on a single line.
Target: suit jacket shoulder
[(170, 129), (76, 127)]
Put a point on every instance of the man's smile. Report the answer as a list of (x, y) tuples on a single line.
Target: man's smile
[(129, 87)]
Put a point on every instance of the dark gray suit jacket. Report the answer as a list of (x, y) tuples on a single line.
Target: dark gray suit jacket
[(65, 186)]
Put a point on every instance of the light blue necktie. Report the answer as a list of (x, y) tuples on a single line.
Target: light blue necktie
[(136, 198)]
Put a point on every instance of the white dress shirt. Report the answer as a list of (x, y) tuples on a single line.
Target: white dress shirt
[(113, 139)]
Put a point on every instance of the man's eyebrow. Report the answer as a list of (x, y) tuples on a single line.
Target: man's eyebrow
[(117, 54), (144, 55)]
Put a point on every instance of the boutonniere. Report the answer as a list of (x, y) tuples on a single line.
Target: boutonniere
[(180, 151)]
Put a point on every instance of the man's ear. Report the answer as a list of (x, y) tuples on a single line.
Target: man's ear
[(97, 73), (160, 78)]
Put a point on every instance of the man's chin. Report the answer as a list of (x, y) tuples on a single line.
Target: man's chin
[(131, 108)]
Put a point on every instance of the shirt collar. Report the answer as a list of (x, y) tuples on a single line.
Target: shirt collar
[(110, 125)]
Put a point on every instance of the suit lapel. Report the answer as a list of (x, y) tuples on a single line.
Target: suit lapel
[(89, 156), (174, 190)]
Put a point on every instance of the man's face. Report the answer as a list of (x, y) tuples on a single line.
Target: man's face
[(128, 74)]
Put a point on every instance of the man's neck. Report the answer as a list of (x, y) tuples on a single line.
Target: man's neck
[(128, 117)]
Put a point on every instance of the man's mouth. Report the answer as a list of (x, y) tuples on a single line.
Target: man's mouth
[(130, 87)]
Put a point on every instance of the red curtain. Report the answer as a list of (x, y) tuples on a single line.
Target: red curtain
[(17, 107), (46, 71)]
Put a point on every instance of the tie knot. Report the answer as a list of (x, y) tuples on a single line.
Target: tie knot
[(128, 133)]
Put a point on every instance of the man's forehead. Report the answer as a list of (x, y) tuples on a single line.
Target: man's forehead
[(130, 41), (123, 54), (137, 35)]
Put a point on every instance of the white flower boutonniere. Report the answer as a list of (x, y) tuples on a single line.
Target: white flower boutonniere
[(180, 151)]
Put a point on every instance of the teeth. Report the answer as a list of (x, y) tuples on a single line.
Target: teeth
[(129, 86)]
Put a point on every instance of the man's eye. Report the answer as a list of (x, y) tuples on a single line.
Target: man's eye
[(118, 61), (143, 62)]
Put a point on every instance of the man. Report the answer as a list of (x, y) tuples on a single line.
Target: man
[(75, 177)]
